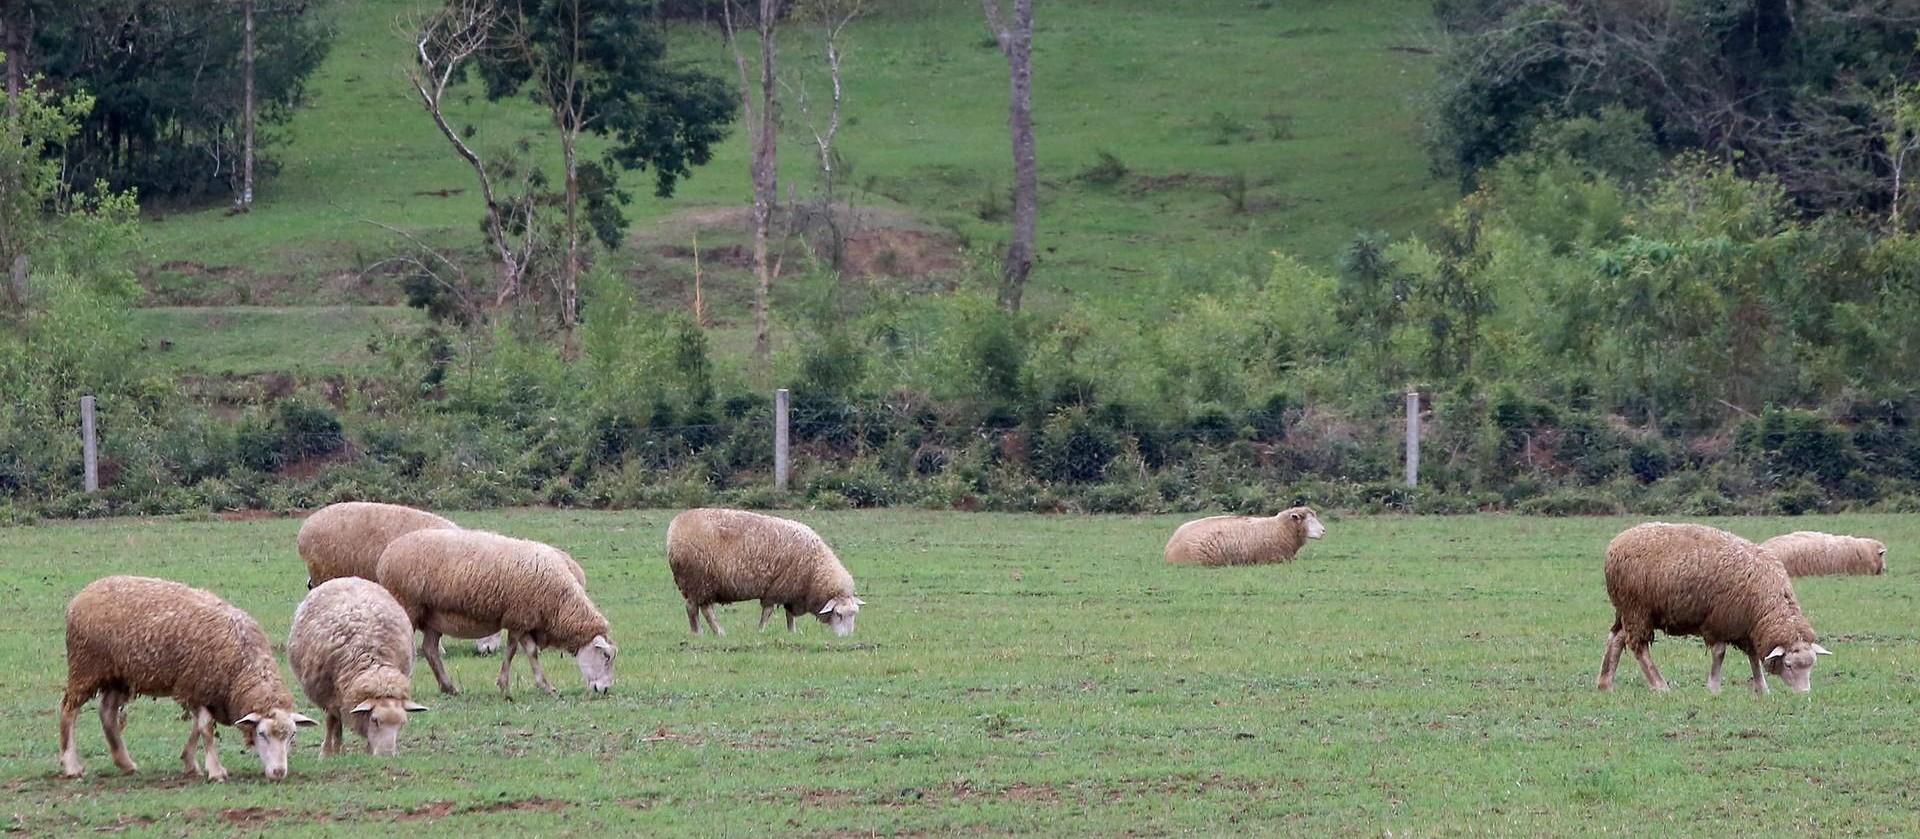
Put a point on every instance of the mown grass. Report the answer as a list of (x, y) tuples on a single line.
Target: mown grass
[(1312, 104), (1021, 674), (241, 340)]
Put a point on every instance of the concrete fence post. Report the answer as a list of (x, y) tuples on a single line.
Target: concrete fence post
[(782, 458), (89, 444), (1413, 436)]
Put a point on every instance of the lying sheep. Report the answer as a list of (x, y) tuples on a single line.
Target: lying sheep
[(470, 583), (352, 650), (1807, 553), (1244, 540), (1689, 579), (726, 556), (139, 636)]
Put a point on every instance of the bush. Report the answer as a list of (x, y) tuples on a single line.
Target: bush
[(1073, 448)]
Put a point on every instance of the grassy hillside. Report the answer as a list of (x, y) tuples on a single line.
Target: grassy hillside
[(1023, 674), (1312, 106)]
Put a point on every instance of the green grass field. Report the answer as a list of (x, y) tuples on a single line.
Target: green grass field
[(1316, 106), (1022, 674)]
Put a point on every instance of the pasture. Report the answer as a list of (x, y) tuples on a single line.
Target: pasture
[(1029, 674)]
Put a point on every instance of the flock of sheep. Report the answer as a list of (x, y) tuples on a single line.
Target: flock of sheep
[(379, 572)]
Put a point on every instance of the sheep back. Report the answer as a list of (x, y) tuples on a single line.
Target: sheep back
[(1689, 579), (471, 583), (351, 643), (727, 556), (162, 638), (1808, 553), (1238, 540), (346, 539)]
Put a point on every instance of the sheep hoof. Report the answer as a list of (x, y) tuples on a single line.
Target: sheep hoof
[(217, 775), (74, 771)]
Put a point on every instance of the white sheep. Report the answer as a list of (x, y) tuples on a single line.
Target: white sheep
[(345, 539), (351, 648), (1244, 540), (1690, 579), (1807, 553), (140, 636), (726, 556), (470, 583)]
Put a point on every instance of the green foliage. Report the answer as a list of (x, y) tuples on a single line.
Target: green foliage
[(167, 78)]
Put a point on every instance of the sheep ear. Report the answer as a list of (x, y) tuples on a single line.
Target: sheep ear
[(414, 707), (1819, 650), (827, 609), (1777, 652), (362, 708), (858, 602), (302, 721), (247, 721)]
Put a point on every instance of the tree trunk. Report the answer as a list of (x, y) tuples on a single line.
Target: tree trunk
[(1016, 42), (570, 279), (244, 202), (13, 42), (763, 127)]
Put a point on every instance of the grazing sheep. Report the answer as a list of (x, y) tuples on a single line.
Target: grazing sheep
[(1244, 540), (1689, 579), (726, 556), (470, 583), (1807, 553), (352, 650), (139, 636), (345, 539)]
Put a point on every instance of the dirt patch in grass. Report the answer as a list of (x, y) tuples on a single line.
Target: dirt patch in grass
[(1143, 184), (894, 252)]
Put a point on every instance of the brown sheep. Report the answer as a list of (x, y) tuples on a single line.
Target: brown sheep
[(1807, 553), (345, 539), (139, 636), (351, 647), (726, 556), (1244, 540), (470, 583), (1689, 579)]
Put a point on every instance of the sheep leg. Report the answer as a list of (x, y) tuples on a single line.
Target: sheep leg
[(331, 746), (1615, 643), (1642, 652), (69, 749), (533, 661), (192, 764), (766, 614), (490, 644), (707, 610), (430, 647), (1759, 673), (203, 721), (1719, 653), (693, 617), (506, 664), (113, 718)]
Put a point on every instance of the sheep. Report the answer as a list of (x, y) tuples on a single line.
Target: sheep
[(1244, 540), (351, 649), (1807, 553), (726, 556), (345, 539), (470, 583), (140, 636), (1690, 579)]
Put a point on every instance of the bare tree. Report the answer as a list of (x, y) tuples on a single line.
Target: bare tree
[(244, 201), (832, 17), (443, 42), (1016, 42), (763, 131)]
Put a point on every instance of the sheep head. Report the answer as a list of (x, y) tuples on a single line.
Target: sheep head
[(596, 663), (839, 613), (1304, 517), (1794, 665), (271, 736), (380, 721)]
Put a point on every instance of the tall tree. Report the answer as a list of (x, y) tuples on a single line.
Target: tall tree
[(757, 101), (243, 202), (1016, 42), (600, 67)]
